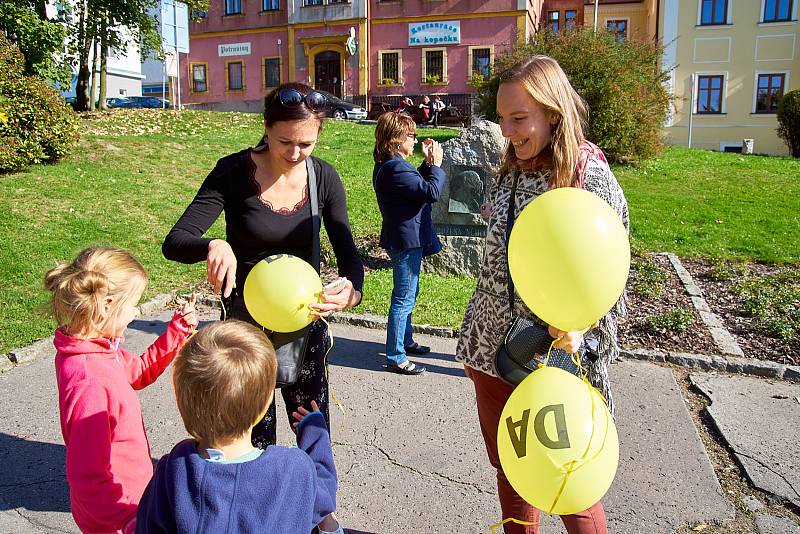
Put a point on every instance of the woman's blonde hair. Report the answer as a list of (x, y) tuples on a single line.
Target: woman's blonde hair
[(224, 377), (392, 130), (79, 289), (543, 79)]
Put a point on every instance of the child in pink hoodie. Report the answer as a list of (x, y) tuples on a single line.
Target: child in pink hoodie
[(94, 298)]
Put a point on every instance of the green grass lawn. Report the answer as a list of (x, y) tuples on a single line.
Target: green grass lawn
[(135, 171)]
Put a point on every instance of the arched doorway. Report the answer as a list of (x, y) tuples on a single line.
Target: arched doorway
[(328, 72)]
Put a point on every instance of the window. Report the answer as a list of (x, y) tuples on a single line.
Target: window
[(769, 92), (390, 68), (481, 62), (434, 69), (552, 18), (570, 18), (713, 12), (272, 71), (270, 5), (233, 7), (777, 10), (709, 94), (338, 1), (312, 2), (619, 28), (199, 80), (235, 75)]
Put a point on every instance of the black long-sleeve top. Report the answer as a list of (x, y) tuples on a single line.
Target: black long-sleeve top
[(253, 230)]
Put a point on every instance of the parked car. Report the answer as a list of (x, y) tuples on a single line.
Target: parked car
[(144, 102), (339, 109), (118, 102)]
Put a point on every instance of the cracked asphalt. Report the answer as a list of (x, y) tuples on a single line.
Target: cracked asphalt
[(408, 449)]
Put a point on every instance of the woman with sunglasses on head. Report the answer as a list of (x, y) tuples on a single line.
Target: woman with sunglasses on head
[(404, 197), (265, 196)]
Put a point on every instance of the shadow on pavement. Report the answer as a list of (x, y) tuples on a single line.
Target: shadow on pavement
[(370, 356), (154, 326), (33, 475)]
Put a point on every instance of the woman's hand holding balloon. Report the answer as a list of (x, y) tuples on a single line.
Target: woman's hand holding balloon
[(336, 296), (567, 341), (221, 266)]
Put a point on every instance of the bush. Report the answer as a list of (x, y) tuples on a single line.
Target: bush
[(674, 320), (622, 83), (649, 279), (36, 125), (789, 121), (774, 302)]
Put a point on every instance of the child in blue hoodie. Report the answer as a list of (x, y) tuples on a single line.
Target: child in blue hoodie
[(224, 380)]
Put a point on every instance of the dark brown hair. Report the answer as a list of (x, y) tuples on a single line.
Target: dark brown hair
[(224, 377), (274, 111), (392, 130)]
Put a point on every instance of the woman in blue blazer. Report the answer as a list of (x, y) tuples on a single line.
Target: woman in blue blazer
[(405, 195)]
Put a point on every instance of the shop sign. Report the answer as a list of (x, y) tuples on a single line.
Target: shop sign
[(234, 49), (434, 33)]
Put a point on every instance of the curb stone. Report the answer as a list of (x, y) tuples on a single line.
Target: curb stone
[(723, 339)]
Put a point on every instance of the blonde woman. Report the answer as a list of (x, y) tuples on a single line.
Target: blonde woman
[(543, 119)]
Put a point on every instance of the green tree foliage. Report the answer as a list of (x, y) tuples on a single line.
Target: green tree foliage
[(36, 125), (622, 83), (40, 40), (789, 121)]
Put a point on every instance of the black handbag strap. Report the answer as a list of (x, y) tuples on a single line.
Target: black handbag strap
[(510, 216), (312, 199)]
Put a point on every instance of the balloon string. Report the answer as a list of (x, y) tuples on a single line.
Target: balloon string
[(493, 528), (331, 391)]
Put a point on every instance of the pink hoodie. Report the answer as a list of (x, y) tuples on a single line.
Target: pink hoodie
[(108, 457)]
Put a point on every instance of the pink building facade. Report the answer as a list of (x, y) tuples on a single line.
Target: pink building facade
[(359, 50)]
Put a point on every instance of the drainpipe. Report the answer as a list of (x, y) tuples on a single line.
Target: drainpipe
[(596, 2), (691, 112)]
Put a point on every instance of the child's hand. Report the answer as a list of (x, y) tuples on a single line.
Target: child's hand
[(302, 412), (567, 341), (188, 312), (486, 209)]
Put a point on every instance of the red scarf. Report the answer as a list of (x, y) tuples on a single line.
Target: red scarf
[(544, 160)]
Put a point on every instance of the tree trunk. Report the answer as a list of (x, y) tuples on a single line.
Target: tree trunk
[(84, 42), (103, 63), (93, 87)]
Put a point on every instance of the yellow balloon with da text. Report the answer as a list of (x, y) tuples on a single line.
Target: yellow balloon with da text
[(557, 442), (278, 291)]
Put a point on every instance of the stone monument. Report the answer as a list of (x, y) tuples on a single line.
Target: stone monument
[(471, 162)]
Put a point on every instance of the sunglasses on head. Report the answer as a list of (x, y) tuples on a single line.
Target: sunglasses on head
[(291, 98)]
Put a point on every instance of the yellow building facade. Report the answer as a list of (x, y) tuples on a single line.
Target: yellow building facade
[(729, 61), (629, 19)]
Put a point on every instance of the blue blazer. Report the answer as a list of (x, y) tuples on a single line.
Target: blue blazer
[(404, 197)]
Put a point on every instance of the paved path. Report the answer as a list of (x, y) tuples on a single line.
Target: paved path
[(408, 450)]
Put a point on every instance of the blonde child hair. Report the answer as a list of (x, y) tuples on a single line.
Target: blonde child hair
[(80, 290), (224, 380), (544, 79)]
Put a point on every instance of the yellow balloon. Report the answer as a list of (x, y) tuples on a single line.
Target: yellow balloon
[(569, 257), (557, 442), (279, 289)]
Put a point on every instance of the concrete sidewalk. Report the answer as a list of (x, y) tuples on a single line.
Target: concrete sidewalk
[(408, 449)]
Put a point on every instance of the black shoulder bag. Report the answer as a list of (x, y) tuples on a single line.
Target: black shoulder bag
[(527, 343), (290, 347)]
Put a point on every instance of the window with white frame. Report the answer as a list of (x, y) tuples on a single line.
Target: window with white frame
[(769, 91), (390, 67), (199, 77), (777, 10), (481, 61), (619, 28), (709, 94), (434, 65), (270, 5), (312, 2), (233, 7), (235, 77), (272, 71), (713, 12)]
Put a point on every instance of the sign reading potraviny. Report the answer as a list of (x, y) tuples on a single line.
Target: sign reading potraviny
[(434, 33), (233, 49), (557, 442)]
